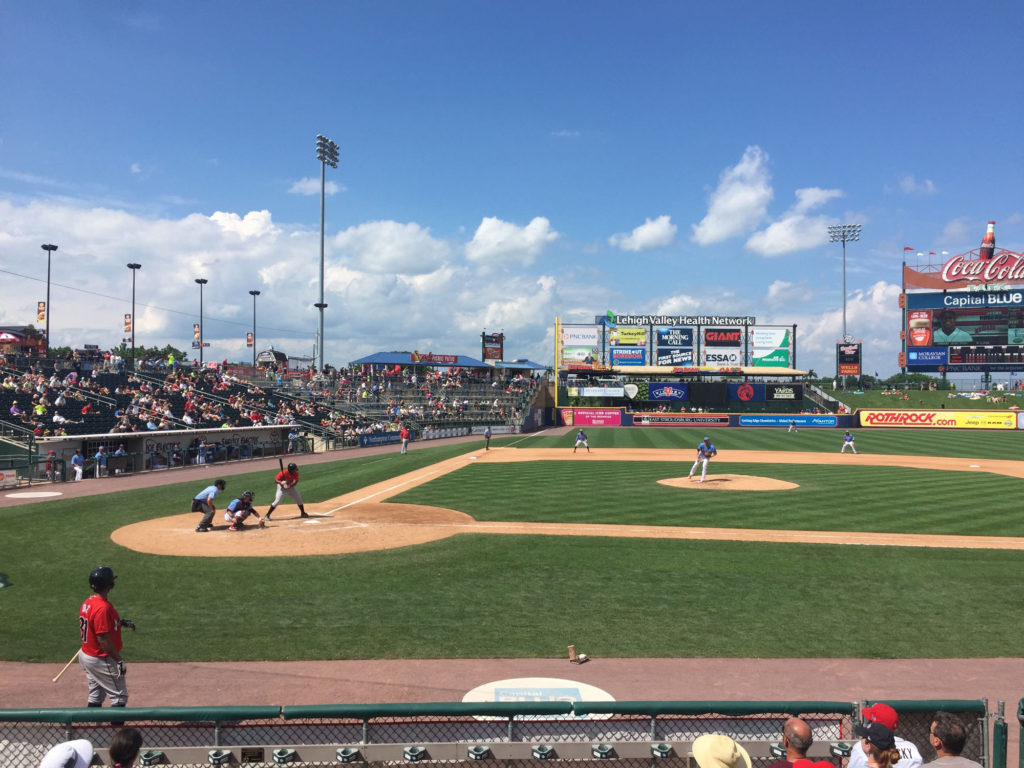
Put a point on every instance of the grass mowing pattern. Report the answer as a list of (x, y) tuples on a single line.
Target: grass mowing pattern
[(829, 498), (517, 596), (994, 444)]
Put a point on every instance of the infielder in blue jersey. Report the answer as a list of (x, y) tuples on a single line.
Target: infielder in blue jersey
[(705, 450)]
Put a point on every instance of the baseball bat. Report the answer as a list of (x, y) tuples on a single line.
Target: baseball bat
[(280, 463), (70, 662)]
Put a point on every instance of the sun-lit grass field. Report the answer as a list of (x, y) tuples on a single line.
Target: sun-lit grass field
[(476, 595)]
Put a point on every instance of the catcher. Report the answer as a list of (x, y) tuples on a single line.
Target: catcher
[(286, 480), (239, 509)]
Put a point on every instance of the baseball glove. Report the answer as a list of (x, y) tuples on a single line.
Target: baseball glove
[(262, 523)]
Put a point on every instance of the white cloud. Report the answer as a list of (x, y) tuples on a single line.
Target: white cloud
[(311, 186), (910, 186), (785, 294), (500, 241), (795, 231), (388, 285), (565, 134), (388, 246), (739, 202), (136, 168), (651, 234)]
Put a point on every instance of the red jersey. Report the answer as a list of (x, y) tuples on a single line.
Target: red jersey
[(98, 617), (287, 477), (404, 433)]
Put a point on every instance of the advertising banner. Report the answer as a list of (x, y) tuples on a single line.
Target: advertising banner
[(627, 337), (848, 358), (588, 355), (674, 356), (769, 358), (670, 390), (721, 356), (384, 438), (776, 338), (680, 419), (684, 320), (628, 356), (723, 337), (492, 346), (746, 392), (248, 339), (787, 392), (581, 335), (1005, 268), (938, 419), (40, 311), (783, 420), (982, 331), (675, 337), (596, 392), (128, 322), (592, 417)]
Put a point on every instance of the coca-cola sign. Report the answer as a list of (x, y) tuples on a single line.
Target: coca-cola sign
[(1007, 267), (967, 272)]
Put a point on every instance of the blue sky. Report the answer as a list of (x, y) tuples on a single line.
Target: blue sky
[(502, 163)]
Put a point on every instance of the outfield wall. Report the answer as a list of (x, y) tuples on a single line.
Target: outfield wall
[(620, 417), (868, 418)]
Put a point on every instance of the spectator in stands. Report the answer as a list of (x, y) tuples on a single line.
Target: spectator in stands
[(124, 747), (910, 756), (796, 740), (878, 744), (714, 750), (69, 754), (948, 737)]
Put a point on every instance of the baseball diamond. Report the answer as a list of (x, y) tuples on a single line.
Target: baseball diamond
[(362, 521)]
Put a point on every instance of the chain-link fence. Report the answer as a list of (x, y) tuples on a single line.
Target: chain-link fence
[(519, 735)]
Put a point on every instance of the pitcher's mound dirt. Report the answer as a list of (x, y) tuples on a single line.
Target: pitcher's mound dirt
[(730, 483)]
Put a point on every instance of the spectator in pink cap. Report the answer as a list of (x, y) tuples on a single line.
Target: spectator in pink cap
[(910, 755)]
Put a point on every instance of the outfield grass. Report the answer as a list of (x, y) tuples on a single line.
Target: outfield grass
[(927, 400), (522, 596)]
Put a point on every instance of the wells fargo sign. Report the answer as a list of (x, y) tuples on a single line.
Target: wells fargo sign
[(938, 419), (1007, 268)]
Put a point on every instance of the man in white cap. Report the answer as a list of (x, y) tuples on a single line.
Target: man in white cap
[(69, 754), (715, 750)]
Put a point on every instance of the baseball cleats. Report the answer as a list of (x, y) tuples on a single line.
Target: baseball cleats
[(234, 527), (303, 515), (202, 528)]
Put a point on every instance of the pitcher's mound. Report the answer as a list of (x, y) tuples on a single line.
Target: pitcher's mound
[(730, 483)]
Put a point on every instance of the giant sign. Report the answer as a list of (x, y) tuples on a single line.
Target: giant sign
[(723, 337)]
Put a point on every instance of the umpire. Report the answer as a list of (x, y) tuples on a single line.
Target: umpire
[(203, 502)]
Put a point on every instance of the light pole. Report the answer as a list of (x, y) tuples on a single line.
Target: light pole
[(327, 154), (49, 252), (844, 233), (254, 294), (201, 281), (133, 267)]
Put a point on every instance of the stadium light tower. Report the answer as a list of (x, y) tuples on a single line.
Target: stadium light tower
[(254, 294), (201, 281), (133, 267), (844, 233), (49, 248), (327, 154)]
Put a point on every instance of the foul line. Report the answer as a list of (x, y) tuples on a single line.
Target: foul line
[(382, 490)]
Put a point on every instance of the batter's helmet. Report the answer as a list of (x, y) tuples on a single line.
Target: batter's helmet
[(102, 578), (220, 484), (292, 467)]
